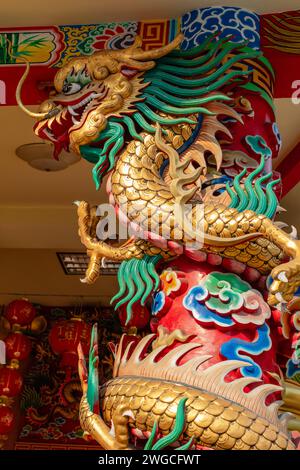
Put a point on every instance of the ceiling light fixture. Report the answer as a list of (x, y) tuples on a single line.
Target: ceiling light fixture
[(39, 155), (77, 264)]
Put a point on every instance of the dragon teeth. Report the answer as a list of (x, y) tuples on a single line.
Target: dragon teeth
[(294, 233), (71, 111), (50, 135), (83, 102), (75, 121), (99, 95), (50, 122), (58, 118)]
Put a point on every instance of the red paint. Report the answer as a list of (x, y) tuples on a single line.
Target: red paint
[(260, 123), (210, 336), (32, 94), (140, 316)]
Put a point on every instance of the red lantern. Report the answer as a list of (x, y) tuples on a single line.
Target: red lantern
[(6, 420), (10, 382), (64, 338), (18, 346), (20, 312), (139, 318)]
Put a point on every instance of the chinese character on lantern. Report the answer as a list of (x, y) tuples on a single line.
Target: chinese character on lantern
[(64, 338), (11, 382), (18, 347)]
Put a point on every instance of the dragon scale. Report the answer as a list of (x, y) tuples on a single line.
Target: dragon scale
[(136, 177), (211, 421)]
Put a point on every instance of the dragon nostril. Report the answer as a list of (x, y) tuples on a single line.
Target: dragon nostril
[(52, 112)]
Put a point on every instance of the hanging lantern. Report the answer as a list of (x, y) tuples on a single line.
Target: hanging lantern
[(18, 346), (10, 382), (20, 312), (64, 338), (139, 318), (6, 420)]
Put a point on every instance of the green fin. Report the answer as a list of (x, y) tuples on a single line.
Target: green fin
[(137, 278), (93, 378)]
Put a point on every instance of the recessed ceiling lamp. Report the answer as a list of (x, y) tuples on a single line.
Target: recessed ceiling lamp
[(77, 264), (39, 155)]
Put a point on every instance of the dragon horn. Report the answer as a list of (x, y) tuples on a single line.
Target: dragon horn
[(20, 103), (139, 54)]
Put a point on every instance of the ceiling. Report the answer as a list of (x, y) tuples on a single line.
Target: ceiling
[(38, 13), (36, 211)]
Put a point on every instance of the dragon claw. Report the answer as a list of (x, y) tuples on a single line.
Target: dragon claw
[(282, 276), (282, 306), (112, 430), (294, 233), (279, 297), (87, 437)]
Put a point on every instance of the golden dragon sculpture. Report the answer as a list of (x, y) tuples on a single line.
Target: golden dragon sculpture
[(158, 124)]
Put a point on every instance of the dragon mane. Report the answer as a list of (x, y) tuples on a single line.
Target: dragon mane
[(182, 84)]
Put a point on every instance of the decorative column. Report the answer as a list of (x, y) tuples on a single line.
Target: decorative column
[(184, 128)]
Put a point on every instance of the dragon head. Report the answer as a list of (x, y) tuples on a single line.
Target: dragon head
[(90, 90), (102, 101)]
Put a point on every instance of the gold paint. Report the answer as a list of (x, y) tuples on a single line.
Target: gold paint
[(219, 425), (166, 338), (250, 438), (270, 434), (291, 403), (211, 421), (263, 444), (235, 430)]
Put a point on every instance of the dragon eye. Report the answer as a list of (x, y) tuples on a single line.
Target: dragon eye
[(218, 192), (70, 88)]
